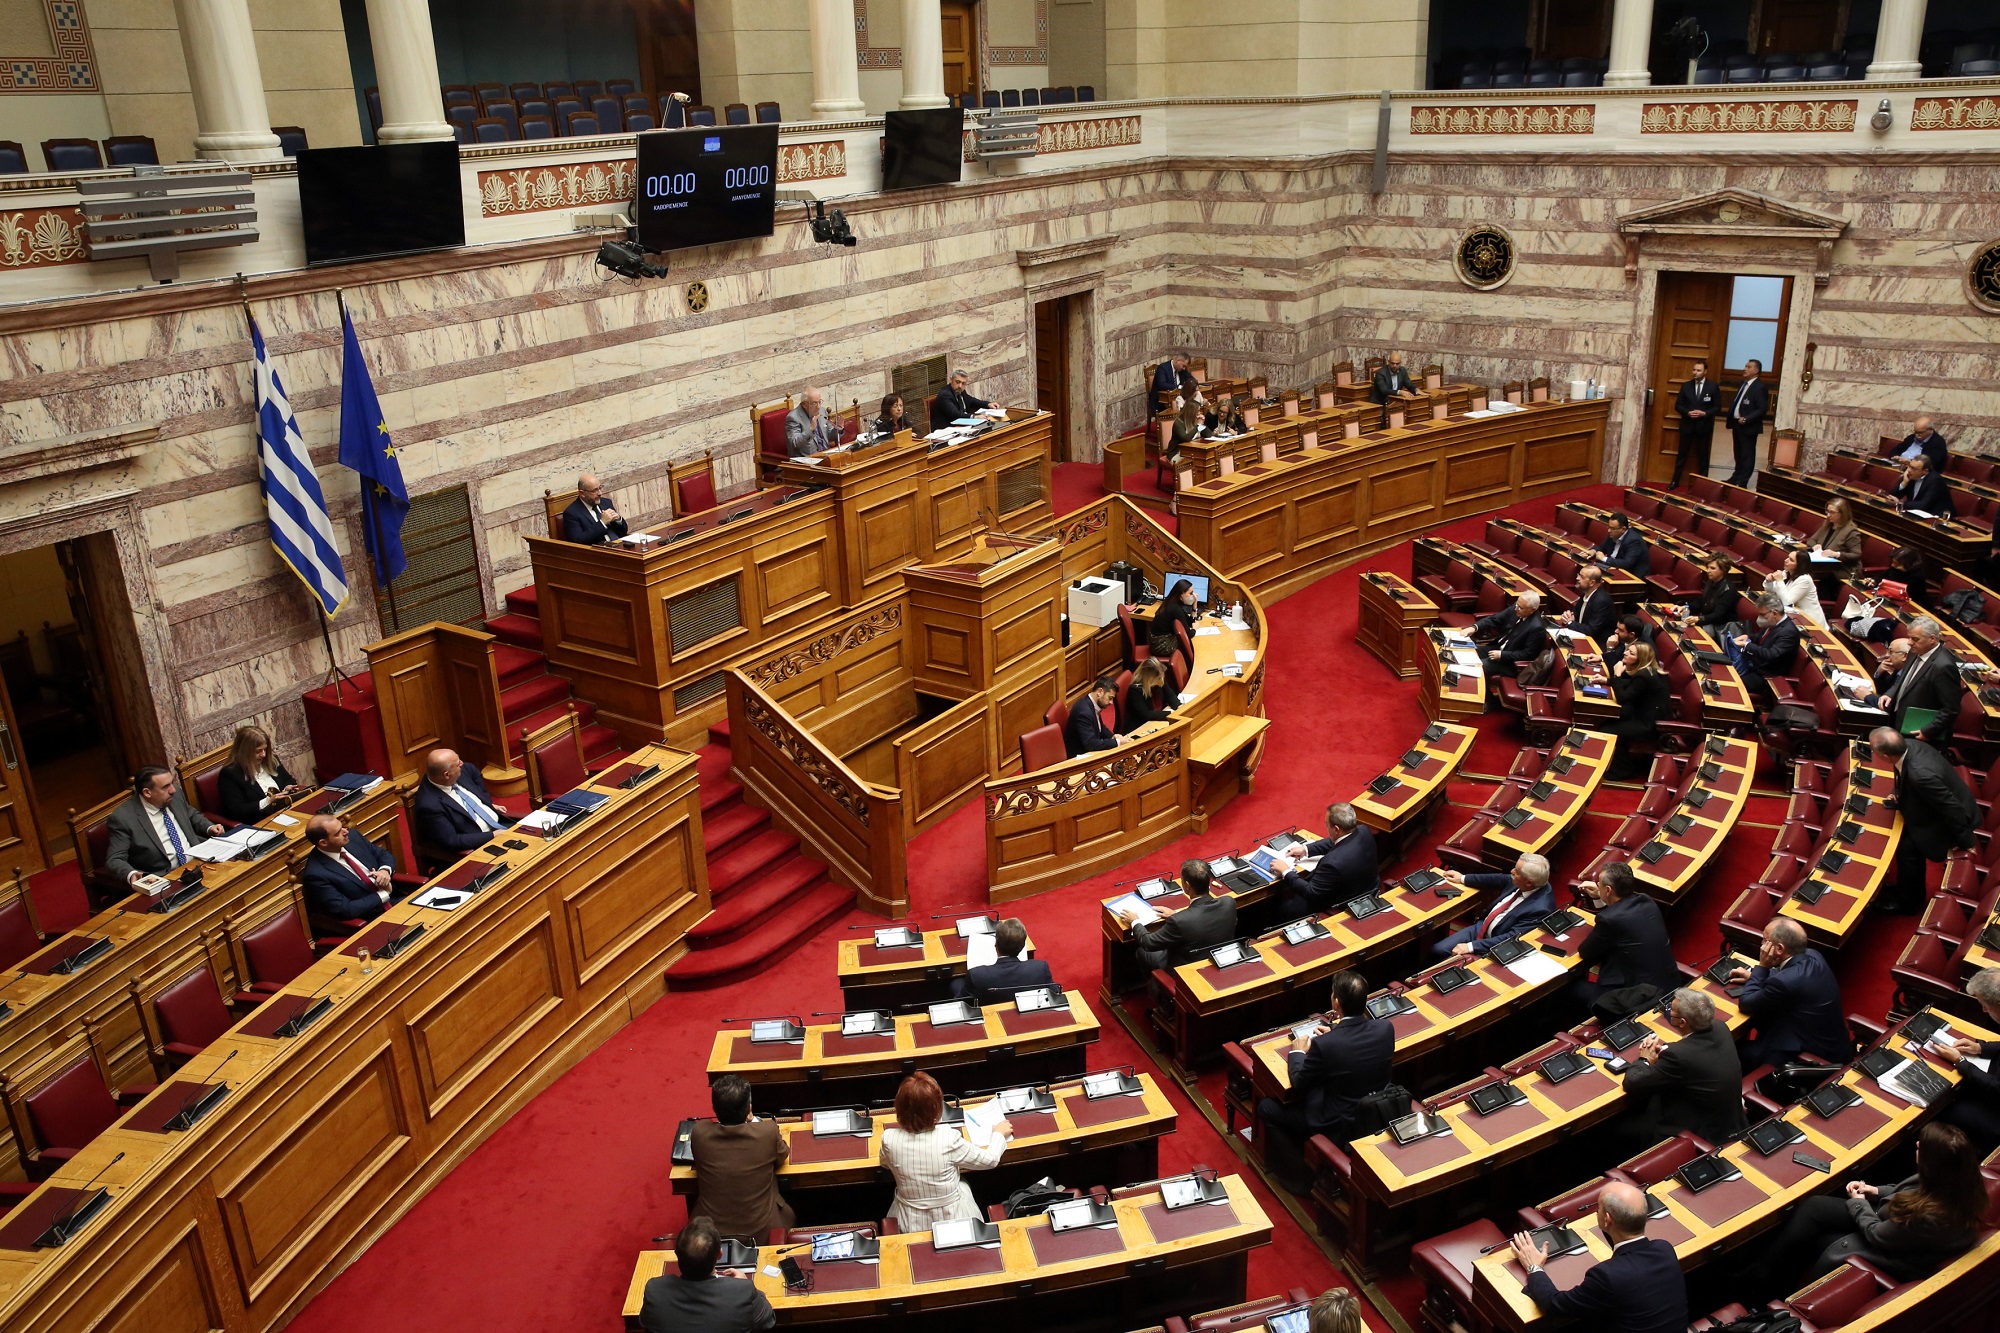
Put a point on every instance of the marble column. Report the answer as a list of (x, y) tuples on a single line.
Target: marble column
[(923, 55), (1898, 34), (1631, 44), (406, 71), (232, 121), (836, 68)]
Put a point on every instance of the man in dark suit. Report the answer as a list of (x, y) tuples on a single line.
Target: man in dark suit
[(1595, 614), (1929, 678), (736, 1161), (1939, 814), (152, 831), (1793, 1001), (1091, 722), (1171, 377), (1629, 946), (454, 811), (345, 875), (1192, 931), (1525, 899), (1924, 489), (1623, 548), (1346, 869), (1391, 381), (1696, 405), (1521, 633), (1976, 1107), (1747, 410), (1008, 974), (1333, 1068), (591, 519), (1924, 442), (1694, 1084), (809, 428), (1639, 1289), (955, 401), (699, 1301), (1770, 647)]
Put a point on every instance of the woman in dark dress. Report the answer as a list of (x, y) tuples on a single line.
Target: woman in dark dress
[(1715, 606), (1151, 697), (254, 782), (892, 419), (1180, 605), (1643, 699)]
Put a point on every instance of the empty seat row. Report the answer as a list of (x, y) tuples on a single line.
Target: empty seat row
[(1004, 97)]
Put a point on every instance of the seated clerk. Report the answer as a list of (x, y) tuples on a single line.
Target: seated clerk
[(1346, 869), (1623, 548), (254, 782), (1715, 605), (1924, 489), (1332, 1070), (1639, 1289), (1792, 1000), (1001, 979), (1629, 946), (1694, 1084), (454, 812), (1976, 1106), (1191, 932), (1769, 646), (1172, 376), (809, 427), (1224, 417), (1162, 639), (1091, 720), (1595, 614), (698, 1300), (1151, 697), (954, 402), (345, 875), (1187, 426), (591, 519), (736, 1161), (1525, 899), (1520, 631), (892, 418)]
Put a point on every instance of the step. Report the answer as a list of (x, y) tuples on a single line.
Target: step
[(755, 902), (524, 602), (711, 763), (521, 631), (803, 918), (726, 825), (517, 665), (519, 728), (598, 740), (598, 763), (719, 733), (750, 856), (714, 791), (533, 696)]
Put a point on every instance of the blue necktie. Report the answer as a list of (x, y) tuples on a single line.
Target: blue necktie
[(179, 853), (476, 809)]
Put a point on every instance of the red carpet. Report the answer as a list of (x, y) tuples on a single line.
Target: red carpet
[(538, 1228)]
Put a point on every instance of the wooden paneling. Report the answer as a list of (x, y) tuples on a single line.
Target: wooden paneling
[(1692, 325), (172, 1296), (600, 624), (443, 689), (941, 762), (484, 1013), (638, 893)]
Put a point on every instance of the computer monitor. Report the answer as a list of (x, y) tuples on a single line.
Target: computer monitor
[(1200, 582)]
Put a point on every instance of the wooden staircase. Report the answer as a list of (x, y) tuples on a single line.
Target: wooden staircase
[(531, 696)]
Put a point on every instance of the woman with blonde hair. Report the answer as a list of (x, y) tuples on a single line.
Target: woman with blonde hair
[(254, 782), (1643, 699), (925, 1157), (1336, 1311), (1151, 697)]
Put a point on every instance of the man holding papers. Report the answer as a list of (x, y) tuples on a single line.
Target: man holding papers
[(153, 830), (1189, 933), (1008, 973), (1925, 696)]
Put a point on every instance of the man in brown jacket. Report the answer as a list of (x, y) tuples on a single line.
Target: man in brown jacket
[(736, 1161)]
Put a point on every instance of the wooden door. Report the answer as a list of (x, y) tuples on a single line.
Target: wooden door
[(1692, 325), (1052, 371), (669, 61), (1567, 28), (1798, 26), (960, 22), (20, 830)]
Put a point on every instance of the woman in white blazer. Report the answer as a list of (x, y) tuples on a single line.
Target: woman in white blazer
[(926, 1158), (1793, 584)]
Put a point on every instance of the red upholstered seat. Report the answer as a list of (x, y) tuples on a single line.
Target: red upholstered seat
[(1042, 748), (1743, 924), (18, 937), (1135, 651), (191, 1013), (1249, 1315), (67, 1112), (1057, 715), (276, 950), (1838, 1297), (694, 494), (771, 432), (1124, 679), (1924, 973), (1445, 1265), (1656, 1164), (1462, 850), (555, 760), (1578, 1203)]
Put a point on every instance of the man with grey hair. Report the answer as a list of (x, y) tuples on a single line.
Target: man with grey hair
[(1939, 814), (1521, 633), (1639, 1289), (808, 427), (1793, 1000), (1346, 869), (1391, 381), (954, 403), (1694, 1084), (1929, 680), (1976, 1108), (1768, 648), (1526, 899)]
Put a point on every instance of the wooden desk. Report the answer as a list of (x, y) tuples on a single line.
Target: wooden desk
[(1726, 703), (1625, 587), (1731, 1212), (1397, 815), (1842, 908), (1081, 1143), (1456, 697), (1955, 542), (1962, 646), (1393, 614), (1689, 854), (1151, 1263), (1551, 818), (875, 978), (827, 1069)]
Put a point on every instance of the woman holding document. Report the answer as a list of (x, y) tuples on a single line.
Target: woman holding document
[(926, 1158), (1838, 539)]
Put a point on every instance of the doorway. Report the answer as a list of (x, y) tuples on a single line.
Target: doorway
[(1052, 357), (959, 20), (669, 56), (1725, 320)]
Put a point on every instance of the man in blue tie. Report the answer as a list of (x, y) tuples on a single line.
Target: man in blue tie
[(808, 427), (454, 812), (151, 832)]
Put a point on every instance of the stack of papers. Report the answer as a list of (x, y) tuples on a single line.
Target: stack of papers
[(1235, 623), (1246, 654), (1536, 968), (1202, 630), (980, 1119), (231, 845), (981, 951), (637, 539), (539, 821), (1129, 905)]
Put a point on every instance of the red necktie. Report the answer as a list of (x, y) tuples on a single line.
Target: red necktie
[(1500, 909), (360, 870)]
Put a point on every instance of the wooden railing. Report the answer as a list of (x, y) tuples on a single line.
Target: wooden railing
[(944, 760)]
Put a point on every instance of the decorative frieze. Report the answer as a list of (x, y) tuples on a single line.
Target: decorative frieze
[(73, 67), (609, 180), (1955, 113), (1774, 117), (1515, 118), (41, 237)]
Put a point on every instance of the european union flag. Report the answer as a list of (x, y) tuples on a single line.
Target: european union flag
[(366, 447)]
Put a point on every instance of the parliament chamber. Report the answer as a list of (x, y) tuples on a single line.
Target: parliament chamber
[(783, 663)]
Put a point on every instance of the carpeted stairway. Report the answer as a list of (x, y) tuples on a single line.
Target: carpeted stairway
[(531, 696)]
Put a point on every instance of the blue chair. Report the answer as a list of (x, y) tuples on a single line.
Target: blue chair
[(1031, 97), (490, 92), (1784, 74), (556, 91), (1085, 93), (1066, 94), (630, 102), (505, 112), (580, 124), (1743, 74), (1475, 78), (462, 115), (588, 88), (536, 106), (1509, 78), (537, 127), (673, 115), (620, 87), (701, 115), (1048, 97), (460, 95), (291, 139), (490, 129), (1010, 97), (736, 113), (461, 133), (1576, 78), (564, 108), (13, 158), (770, 113), (991, 97), (1710, 75), (131, 150), (638, 121), (609, 115), (1979, 69), (524, 92)]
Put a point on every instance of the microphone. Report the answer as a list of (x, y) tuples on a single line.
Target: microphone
[(200, 1091), (298, 1010), (60, 1227)]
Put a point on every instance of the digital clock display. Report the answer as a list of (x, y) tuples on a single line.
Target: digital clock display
[(705, 185)]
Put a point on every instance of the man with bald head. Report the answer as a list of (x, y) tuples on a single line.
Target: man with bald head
[(1924, 442), (1639, 1289), (809, 428), (1391, 381), (453, 810), (592, 520)]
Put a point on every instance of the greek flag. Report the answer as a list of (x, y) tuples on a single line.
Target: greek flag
[(301, 532)]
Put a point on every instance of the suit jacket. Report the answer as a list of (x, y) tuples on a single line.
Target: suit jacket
[(1716, 605), (1518, 919), (1387, 382), (1142, 707), (1771, 652), (1751, 401), (1908, 1251), (1705, 398), (1627, 552), (712, 1305), (799, 426), (1933, 683), (1595, 614), (887, 426), (1934, 449), (241, 799), (1338, 1068), (1643, 700), (736, 1180), (1191, 932), (444, 824), (332, 890), (1001, 979), (1630, 946), (1168, 380), (1519, 640), (1939, 812), (950, 405), (134, 845), (1844, 541), (1639, 1289), (1696, 1085), (1930, 493), (1087, 729), (583, 525), (1796, 1008), (1346, 870)]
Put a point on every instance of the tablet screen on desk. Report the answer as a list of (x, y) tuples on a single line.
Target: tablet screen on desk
[(1290, 1321), (833, 1245), (953, 1011), (773, 1029), (968, 926), (1230, 954), (898, 937)]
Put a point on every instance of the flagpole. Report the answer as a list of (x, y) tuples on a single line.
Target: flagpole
[(372, 506)]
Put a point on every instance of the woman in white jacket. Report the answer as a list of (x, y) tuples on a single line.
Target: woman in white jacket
[(1792, 583), (926, 1158)]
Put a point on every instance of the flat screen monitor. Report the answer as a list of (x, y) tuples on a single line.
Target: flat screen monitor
[(388, 199), (1200, 582), (922, 147), (705, 184)]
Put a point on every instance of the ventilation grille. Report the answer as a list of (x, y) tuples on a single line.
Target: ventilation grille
[(442, 578), (917, 381), (1018, 487), (695, 691), (699, 616)]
